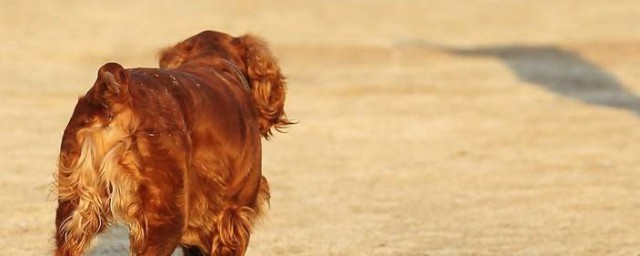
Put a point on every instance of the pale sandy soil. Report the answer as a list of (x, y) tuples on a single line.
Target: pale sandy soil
[(481, 127)]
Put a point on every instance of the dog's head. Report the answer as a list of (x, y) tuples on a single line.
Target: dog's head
[(201, 48), (250, 54)]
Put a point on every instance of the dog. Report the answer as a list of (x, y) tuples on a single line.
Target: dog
[(173, 153)]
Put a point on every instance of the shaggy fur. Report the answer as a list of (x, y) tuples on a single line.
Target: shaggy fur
[(173, 153)]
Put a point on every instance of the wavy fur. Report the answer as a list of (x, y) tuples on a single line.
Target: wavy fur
[(267, 84)]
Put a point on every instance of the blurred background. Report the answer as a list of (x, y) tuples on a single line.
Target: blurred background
[(480, 127)]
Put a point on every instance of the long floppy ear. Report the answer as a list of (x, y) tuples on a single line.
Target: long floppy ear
[(267, 84), (111, 86)]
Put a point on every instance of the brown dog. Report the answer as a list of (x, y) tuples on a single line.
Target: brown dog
[(173, 153)]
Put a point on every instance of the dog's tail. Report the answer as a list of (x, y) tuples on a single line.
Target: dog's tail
[(267, 84)]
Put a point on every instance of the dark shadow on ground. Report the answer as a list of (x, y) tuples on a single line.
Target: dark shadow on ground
[(560, 71)]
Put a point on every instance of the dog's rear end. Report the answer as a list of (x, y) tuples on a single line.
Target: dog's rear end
[(174, 153)]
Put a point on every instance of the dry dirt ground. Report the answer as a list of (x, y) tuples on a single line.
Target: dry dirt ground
[(480, 127)]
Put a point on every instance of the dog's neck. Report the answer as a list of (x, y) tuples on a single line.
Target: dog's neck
[(238, 73)]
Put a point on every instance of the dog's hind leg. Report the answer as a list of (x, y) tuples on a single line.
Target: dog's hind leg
[(157, 240), (157, 227), (233, 229), (157, 223), (77, 223), (235, 221), (82, 204)]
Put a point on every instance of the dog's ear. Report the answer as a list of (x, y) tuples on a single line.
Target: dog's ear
[(267, 83), (111, 86)]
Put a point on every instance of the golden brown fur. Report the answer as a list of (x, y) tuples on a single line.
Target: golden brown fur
[(173, 153)]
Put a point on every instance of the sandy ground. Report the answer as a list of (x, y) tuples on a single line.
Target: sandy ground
[(481, 127)]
